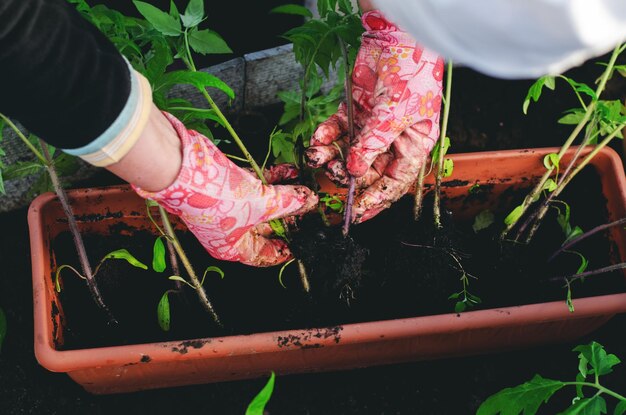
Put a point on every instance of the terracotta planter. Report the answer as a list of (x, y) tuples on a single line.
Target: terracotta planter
[(145, 366)]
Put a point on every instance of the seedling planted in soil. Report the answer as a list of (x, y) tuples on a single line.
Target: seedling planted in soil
[(44, 158)]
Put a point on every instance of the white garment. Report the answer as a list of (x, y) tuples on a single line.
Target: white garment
[(513, 38)]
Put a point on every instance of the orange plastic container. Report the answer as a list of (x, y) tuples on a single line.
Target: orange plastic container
[(193, 361)]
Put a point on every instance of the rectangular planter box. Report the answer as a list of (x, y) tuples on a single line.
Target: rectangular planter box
[(145, 366)]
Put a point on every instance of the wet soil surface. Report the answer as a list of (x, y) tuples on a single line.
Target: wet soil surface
[(491, 118)]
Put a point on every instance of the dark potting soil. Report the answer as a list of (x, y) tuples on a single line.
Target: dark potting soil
[(391, 267)]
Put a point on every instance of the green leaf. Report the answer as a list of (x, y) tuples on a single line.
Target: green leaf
[(584, 263), (582, 88), (551, 161), (283, 147), (257, 406), (2, 189), (437, 149), (278, 228), (345, 6), (42, 185), (525, 398), (158, 255), (212, 268), (163, 312), (534, 92), (125, 255), (174, 10), (3, 327), (568, 299), (460, 307), (572, 118), (583, 366), (620, 409), (157, 61), (600, 362), (161, 21), (595, 405), (514, 215), (200, 80), (66, 164), (21, 169), (207, 42), (194, 13), (574, 233), (549, 185), (177, 278), (81, 5), (483, 220), (294, 9), (579, 388), (448, 167)]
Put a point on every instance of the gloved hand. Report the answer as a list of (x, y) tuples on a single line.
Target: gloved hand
[(225, 206), (397, 97)]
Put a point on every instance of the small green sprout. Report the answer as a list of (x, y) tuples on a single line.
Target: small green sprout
[(257, 406), (211, 268), (464, 299), (118, 254)]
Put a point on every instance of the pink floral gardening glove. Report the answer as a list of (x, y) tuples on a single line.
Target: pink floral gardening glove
[(397, 96), (227, 207)]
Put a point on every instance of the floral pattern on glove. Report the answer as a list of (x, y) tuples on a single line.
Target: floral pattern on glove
[(225, 206), (396, 92)]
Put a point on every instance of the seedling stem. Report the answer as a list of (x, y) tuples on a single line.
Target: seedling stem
[(442, 137), (347, 215)]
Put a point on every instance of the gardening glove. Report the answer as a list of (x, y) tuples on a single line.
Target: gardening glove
[(397, 97), (226, 206)]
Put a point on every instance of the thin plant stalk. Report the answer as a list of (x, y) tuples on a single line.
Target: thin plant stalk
[(204, 299), (603, 270), (539, 213), (442, 137), (419, 192), (543, 209), (528, 200), (45, 158), (347, 215), (189, 61), (585, 235), (76, 236), (174, 261), (531, 197)]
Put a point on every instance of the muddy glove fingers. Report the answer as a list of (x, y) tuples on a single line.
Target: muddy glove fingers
[(318, 156), (332, 129), (399, 82), (410, 151), (337, 172), (221, 203), (329, 141), (278, 173)]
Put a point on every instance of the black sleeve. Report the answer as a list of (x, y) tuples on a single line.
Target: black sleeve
[(59, 76)]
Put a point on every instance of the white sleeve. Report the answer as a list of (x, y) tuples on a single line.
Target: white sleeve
[(513, 38)]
